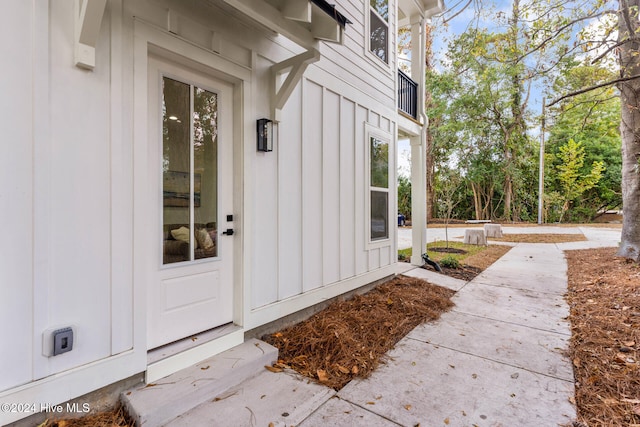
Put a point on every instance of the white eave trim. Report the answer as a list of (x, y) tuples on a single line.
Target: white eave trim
[(303, 22), (88, 16)]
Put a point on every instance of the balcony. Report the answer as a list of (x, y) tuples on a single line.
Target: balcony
[(407, 95)]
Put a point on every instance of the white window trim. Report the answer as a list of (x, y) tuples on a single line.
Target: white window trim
[(373, 58), (371, 131)]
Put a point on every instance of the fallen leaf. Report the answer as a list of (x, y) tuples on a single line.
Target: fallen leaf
[(342, 369), (204, 368), (273, 368), (446, 421), (277, 335), (407, 407), (371, 403), (389, 301), (272, 425), (322, 375), (629, 343), (452, 366), (474, 376), (354, 370), (577, 362)]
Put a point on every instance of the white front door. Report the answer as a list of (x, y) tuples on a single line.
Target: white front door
[(190, 164)]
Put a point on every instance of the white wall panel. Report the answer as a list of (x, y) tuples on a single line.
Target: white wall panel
[(374, 258), (16, 195), (385, 256), (264, 250), (348, 220), (331, 224), (289, 151), (79, 289), (312, 232)]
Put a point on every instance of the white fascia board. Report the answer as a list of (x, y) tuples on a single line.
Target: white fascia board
[(273, 19), (433, 7), (297, 10), (324, 27)]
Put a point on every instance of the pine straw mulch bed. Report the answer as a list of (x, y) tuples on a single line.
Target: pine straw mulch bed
[(604, 299), (349, 338), (474, 264), (115, 418)]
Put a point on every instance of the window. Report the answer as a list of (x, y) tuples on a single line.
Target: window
[(379, 29), (189, 171), (379, 188)]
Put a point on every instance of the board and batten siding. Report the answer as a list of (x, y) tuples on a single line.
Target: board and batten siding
[(310, 197), (362, 70)]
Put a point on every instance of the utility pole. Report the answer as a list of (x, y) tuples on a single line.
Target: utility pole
[(541, 172)]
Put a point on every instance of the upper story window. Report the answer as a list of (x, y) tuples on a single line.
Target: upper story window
[(379, 29)]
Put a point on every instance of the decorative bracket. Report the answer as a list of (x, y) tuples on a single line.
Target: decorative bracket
[(89, 15), (296, 67)]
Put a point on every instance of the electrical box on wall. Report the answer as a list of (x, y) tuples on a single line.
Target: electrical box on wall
[(56, 341)]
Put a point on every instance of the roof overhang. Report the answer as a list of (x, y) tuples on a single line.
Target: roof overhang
[(409, 10), (302, 21)]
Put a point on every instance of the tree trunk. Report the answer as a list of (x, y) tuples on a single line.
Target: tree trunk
[(630, 129), (476, 200)]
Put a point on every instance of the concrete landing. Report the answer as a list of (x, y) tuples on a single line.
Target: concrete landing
[(161, 402)]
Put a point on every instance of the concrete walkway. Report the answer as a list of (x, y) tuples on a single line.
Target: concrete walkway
[(497, 359)]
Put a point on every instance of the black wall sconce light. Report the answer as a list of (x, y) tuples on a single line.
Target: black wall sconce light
[(265, 134)]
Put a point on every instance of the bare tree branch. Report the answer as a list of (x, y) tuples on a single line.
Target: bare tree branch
[(589, 89), (445, 21)]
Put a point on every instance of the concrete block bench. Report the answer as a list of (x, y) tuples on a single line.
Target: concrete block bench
[(493, 230), (475, 237)]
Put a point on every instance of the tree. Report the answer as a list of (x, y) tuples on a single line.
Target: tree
[(572, 183), (629, 62), (404, 196), (449, 198), (593, 119)]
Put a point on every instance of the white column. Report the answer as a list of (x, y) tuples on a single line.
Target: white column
[(418, 200), (418, 146)]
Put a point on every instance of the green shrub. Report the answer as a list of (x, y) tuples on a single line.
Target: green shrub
[(450, 262)]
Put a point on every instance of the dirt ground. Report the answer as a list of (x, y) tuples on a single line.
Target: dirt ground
[(351, 338)]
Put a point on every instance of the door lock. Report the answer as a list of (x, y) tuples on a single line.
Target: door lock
[(228, 232)]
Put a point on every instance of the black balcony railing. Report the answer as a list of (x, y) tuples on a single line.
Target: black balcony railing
[(407, 95)]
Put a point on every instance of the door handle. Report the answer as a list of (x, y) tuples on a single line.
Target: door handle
[(228, 232)]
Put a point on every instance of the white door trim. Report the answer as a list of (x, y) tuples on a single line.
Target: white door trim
[(149, 39)]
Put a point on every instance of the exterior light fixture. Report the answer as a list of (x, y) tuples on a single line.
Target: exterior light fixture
[(265, 134)]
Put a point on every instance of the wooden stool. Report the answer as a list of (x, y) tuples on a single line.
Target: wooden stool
[(493, 230), (475, 237)]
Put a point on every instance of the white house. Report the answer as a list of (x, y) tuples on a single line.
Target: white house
[(137, 208)]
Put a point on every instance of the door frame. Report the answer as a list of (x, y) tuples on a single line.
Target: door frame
[(150, 40), (166, 326)]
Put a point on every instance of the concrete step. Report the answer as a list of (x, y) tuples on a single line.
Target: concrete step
[(278, 399), (158, 403)]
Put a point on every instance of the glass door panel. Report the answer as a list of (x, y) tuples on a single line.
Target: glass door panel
[(189, 172), (205, 161)]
